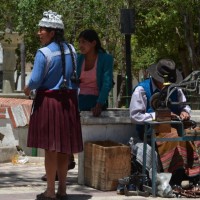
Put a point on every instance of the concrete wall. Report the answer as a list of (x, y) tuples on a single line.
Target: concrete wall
[(113, 124), (14, 118)]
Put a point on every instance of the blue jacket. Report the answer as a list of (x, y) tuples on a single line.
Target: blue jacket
[(104, 74), (147, 85)]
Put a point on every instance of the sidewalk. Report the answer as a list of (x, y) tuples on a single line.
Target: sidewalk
[(23, 182)]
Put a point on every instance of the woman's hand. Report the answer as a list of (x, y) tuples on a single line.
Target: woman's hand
[(96, 111)]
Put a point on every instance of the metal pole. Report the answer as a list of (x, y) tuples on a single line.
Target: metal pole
[(128, 65), (22, 52)]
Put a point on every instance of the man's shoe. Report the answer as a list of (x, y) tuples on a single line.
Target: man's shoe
[(71, 165), (120, 189), (44, 178)]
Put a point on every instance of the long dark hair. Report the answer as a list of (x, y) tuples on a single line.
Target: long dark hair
[(91, 35)]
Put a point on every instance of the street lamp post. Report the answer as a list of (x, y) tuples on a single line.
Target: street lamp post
[(127, 28)]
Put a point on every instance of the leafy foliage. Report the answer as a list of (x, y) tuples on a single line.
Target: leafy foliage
[(171, 28), (7, 15), (164, 28), (77, 15)]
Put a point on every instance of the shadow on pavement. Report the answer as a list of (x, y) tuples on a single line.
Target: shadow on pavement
[(79, 197)]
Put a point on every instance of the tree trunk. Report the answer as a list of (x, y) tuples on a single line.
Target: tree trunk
[(190, 42), (183, 55)]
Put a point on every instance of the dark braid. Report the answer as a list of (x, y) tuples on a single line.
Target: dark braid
[(62, 56)]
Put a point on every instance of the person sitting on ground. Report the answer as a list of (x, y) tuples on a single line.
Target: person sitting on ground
[(176, 157)]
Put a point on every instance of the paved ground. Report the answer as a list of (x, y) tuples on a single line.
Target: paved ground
[(22, 182)]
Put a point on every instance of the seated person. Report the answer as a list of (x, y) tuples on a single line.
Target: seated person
[(176, 157)]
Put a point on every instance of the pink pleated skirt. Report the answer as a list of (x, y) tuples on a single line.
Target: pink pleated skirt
[(55, 122)]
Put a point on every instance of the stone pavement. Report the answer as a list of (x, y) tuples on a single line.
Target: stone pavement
[(22, 182)]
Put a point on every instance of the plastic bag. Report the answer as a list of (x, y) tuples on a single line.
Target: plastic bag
[(163, 187), (20, 157)]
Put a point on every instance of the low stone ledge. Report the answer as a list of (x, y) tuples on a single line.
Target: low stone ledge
[(110, 116), (7, 153), (14, 95), (195, 115), (114, 116)]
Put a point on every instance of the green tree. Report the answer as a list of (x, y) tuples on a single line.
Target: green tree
[(8, 15), (103, 16), (170, 29), (164, 28)]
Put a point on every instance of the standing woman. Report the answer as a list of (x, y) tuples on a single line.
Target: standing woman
[(54, 122), (95, 72)]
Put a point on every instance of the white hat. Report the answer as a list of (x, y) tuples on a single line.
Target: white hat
[(51, 20)]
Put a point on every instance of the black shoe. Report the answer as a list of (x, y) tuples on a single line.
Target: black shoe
[(44, 178), (120, 189), (177, 177), (71, 165), (61, 197)]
